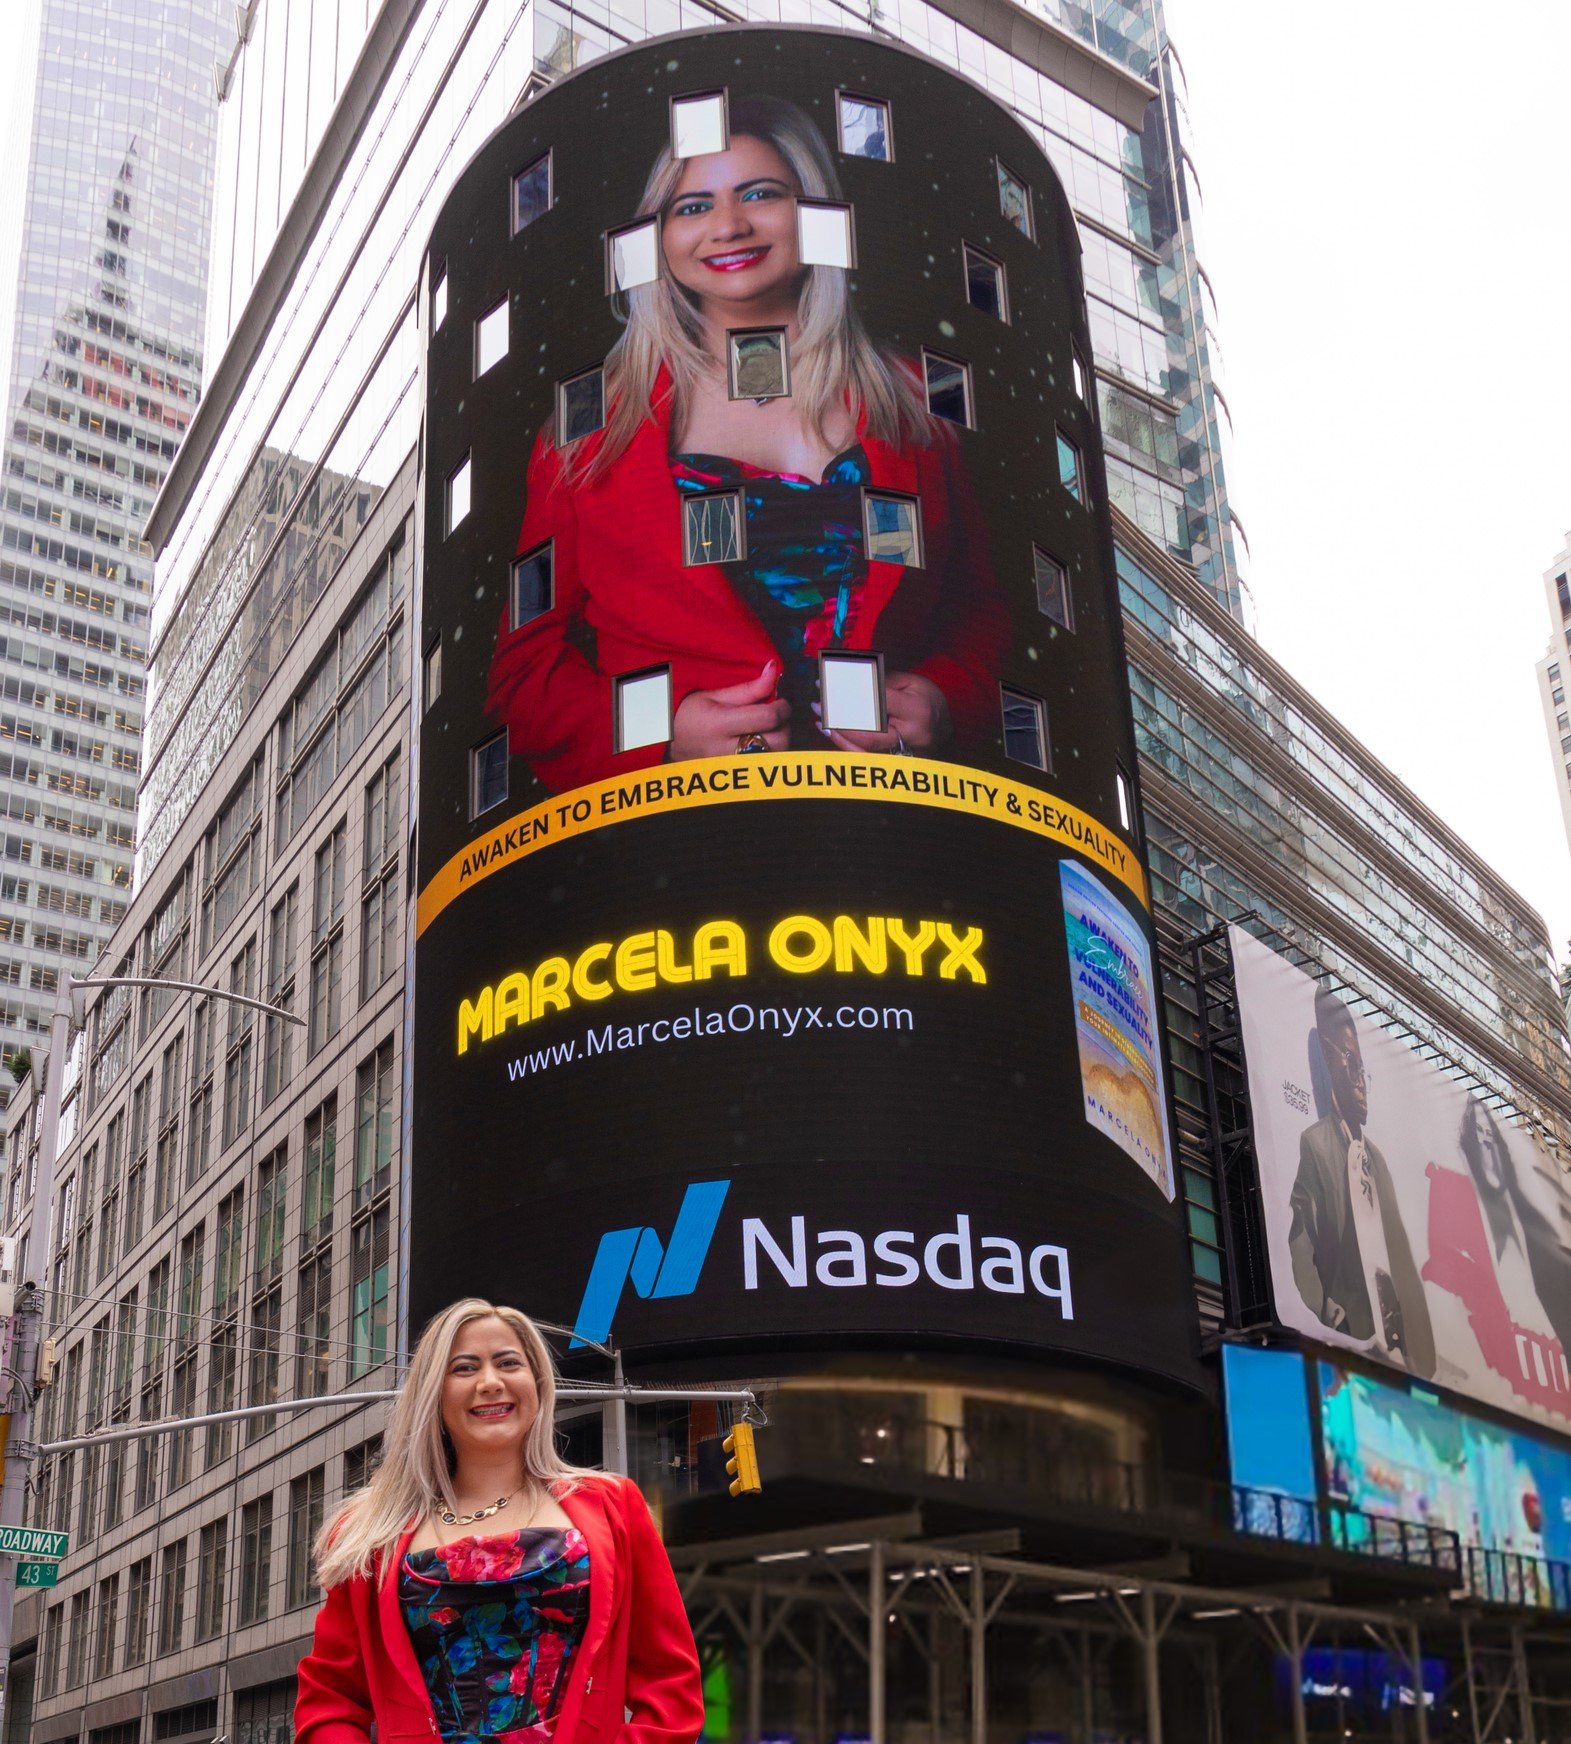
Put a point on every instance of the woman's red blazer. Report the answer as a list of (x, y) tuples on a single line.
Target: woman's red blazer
[(635, 1675), (625, 600)]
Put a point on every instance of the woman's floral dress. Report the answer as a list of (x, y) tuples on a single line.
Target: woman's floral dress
[(495, 1623)]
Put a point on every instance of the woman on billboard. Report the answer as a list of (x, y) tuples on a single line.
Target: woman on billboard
[(558, 1619), (744, 373)]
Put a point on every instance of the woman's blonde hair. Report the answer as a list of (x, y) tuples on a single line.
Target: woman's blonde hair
[(835, 366), (417, 1459)]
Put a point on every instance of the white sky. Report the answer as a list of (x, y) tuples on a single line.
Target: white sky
[(1386, 227)]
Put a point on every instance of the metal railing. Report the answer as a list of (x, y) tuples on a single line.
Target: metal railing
[(1505, 1577)]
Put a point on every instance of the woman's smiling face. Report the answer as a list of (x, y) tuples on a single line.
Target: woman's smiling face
[(729, 230), (489, 1396)]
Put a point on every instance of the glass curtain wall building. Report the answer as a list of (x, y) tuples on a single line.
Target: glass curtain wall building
[(114, 150)]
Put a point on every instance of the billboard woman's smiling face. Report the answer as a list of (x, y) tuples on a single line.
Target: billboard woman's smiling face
[(730, 228)]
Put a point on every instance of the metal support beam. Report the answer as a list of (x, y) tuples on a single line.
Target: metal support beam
[(1151, 1655), (979, 1656), (1524, 1688), (1420, 1708), (877, 1642), (755, 1664)]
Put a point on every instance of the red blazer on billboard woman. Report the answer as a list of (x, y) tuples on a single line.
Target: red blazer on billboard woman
[(557, 1621), (740, 637)]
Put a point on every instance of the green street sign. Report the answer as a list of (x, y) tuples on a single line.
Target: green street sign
[(37, 1574), (33, 1541)]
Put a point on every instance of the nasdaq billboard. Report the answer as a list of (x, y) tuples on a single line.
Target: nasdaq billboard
[(784, 963)]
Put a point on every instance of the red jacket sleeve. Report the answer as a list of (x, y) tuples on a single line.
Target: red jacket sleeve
[(555, 704), (665, 1699), (971, 628), (333, 1700)]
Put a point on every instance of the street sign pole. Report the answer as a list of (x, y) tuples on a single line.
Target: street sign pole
[(18, 1462)]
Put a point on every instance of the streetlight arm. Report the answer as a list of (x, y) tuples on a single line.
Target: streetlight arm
[(81, 983)]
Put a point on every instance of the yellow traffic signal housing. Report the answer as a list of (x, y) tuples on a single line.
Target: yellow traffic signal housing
[(742, 1461)]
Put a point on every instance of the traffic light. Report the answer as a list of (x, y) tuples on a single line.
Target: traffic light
[(742, 1461)]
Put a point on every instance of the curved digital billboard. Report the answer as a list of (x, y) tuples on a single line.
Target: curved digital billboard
[(784, 969)]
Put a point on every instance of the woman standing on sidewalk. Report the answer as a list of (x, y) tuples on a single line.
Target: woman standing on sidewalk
[(479, 1587)]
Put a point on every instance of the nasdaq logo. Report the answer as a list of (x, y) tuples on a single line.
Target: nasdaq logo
[(654, 1268)]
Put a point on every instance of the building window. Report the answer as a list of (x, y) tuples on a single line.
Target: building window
[(278, 1044), (1082, 378), (321, 1145), (370, 1315), (948, 383), (239, 1051), (76, 1640), (632, 255), (488, 774), (376, 1109), (713, 526), (267, 1313), (381, 912), (138, 1611), (1025, 728), (580, 405), (851, 693), (893, 528), (272, 1180), (1014, 201), (532, 193), (864, 125), (985, 285), (171, 1598), (532, 591), (307, 1499), (759, 368), (360, 1464), (212, 1566), (699, 124), (825, 233), (256, 1559), (643, 708), (265, 1715), (491, 339), (231, 861), (49, 1652), (431, 675), (182, 1404), (1052, 589), (314, 1326), (1070, 474), (458, 494), (108, 1617), (327, 939), (438, 297), (223, 1389)]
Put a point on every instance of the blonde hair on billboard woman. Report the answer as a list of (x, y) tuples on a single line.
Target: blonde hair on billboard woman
[(477, 1549), (740, 632), (837, 373)]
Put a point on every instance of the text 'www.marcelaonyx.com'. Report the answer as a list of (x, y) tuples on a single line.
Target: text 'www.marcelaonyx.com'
[(780, 1021)]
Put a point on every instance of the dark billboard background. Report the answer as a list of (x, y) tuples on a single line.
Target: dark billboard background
[(574, 1075)]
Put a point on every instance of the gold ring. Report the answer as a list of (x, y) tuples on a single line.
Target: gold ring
[(752, 742)]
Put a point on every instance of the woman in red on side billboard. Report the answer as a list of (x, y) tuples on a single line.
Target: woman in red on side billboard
[(767, 484)]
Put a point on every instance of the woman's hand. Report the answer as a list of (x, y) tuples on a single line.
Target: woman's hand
[(918, 718), (709, 723)]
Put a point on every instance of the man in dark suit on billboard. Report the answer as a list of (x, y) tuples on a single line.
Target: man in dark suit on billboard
[(1351, 1258)]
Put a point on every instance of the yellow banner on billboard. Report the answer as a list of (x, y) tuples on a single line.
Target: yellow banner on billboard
[(780, 775)]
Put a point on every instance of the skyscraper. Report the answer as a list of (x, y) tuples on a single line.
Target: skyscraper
[(112, 152), (1552, 670)]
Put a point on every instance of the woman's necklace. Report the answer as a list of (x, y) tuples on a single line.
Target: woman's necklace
[(449, 1518)]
